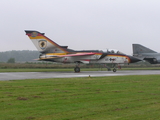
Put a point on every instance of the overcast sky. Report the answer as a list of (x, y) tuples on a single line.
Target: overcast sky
[(81, 24)]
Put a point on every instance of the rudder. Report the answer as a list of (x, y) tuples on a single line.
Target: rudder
[(139, 49), (44, 44)]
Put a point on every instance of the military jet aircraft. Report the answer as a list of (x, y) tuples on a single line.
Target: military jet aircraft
[(145, 53), (51, 51)]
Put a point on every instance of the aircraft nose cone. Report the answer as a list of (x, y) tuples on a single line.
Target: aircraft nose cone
[(134, 59)]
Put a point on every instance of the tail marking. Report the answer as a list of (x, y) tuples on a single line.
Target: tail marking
[(44, 44)]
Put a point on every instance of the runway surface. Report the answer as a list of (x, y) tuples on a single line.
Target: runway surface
[(40, 75)]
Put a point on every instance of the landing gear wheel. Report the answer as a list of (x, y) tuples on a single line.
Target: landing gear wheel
[(114, 70), (76, 69)]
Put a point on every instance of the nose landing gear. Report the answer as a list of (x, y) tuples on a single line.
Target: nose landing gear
[(109, 69)]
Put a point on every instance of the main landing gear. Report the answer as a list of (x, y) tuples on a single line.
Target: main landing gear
[(76, 69), (114, 69)]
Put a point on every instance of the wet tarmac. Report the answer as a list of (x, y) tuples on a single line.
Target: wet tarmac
[(41, 75)]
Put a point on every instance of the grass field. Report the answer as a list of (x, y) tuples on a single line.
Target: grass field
[(97, 98), (47, 70), (68, 69), (33, 67)]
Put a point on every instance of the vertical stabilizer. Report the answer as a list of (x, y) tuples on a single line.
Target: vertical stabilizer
[(44, 44), (139, 49)]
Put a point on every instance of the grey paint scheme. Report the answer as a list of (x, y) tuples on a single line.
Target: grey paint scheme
[(145, 53)]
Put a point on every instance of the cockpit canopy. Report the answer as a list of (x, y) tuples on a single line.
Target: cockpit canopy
[(114, 51)]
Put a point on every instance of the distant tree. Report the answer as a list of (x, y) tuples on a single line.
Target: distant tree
[(20, 55), (11, 60)]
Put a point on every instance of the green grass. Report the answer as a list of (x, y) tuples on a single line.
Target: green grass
[(37, 67), (33, 70), (142, 68), (47, 70), (67, 69), (97, 98)]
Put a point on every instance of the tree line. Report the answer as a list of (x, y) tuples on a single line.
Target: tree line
[(19, 56)]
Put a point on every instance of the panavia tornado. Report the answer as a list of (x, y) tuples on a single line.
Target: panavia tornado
[(51, 51)]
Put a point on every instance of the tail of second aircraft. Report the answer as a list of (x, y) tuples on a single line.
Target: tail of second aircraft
[(44, 44), (139, 49)]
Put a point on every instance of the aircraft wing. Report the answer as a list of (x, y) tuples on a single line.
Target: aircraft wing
[(68, 55), (77, 54)]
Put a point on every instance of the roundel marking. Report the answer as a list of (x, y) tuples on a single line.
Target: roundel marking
[(42, 44)]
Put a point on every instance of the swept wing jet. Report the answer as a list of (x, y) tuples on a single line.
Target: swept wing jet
[(51, 51), (145, 53)]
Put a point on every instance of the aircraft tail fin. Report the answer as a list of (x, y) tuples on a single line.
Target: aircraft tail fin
[(139, 49), (44, 44)]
